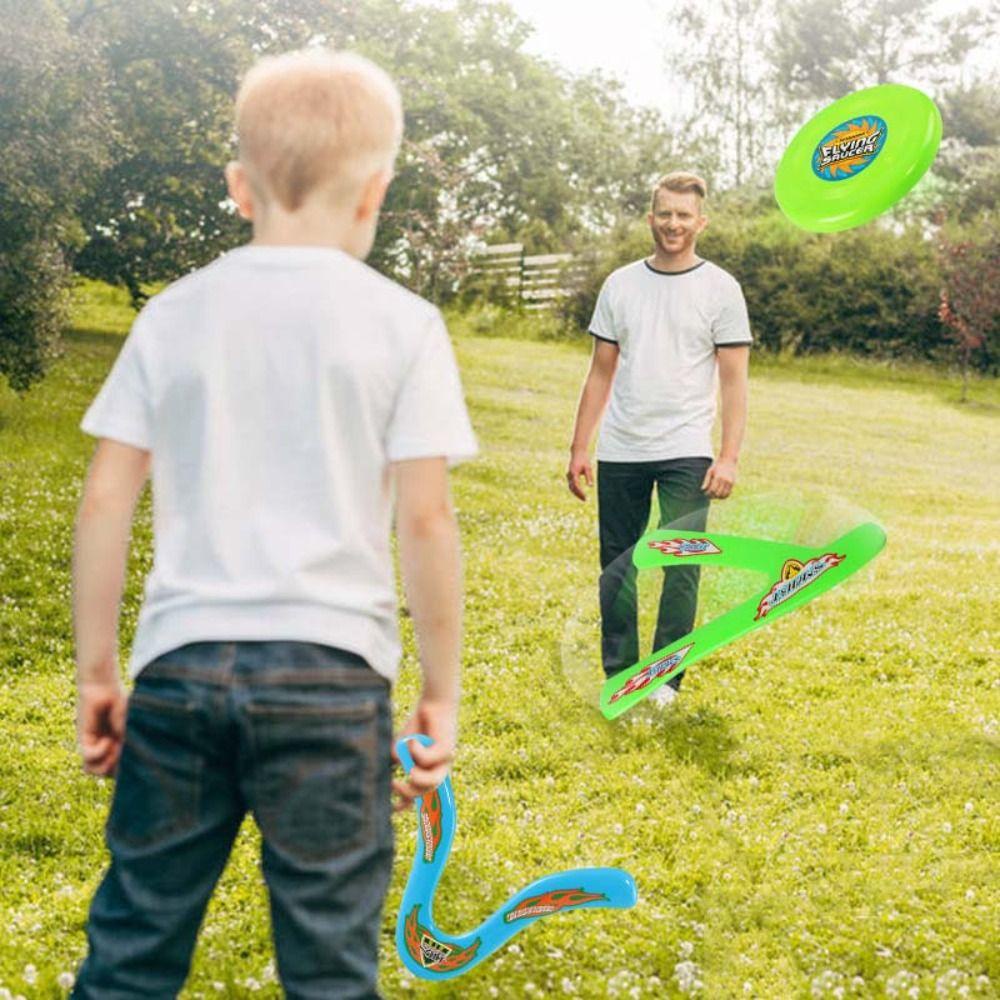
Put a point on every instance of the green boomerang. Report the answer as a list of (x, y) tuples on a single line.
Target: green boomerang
[(796, 575)]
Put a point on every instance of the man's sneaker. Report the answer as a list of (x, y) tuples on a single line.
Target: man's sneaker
[(663, 696)]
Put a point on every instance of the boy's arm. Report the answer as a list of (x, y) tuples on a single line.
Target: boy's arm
[(114, 483), (593, 399), (734, 364), (430, 561)]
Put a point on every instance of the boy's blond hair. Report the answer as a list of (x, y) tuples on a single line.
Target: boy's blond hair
[(681, 181), (314, 119)]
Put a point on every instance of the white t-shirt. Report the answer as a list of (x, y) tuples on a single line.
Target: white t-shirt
[(667, 327), (273, 387)]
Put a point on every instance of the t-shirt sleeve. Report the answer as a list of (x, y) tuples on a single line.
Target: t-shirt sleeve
[(122, 408), (430, 418), (731, 323), (602, 323)]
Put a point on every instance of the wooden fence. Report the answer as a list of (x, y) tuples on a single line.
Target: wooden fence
[(538, 280)]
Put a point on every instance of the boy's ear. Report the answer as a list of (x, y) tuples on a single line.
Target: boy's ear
[(239, 188), (372, 195)]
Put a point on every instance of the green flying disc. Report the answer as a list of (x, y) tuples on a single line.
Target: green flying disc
[(857, 157)]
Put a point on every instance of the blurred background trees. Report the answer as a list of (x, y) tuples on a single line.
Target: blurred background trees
[(116, 122)]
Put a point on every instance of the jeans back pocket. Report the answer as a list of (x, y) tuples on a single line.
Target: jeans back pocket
[(314, 775)]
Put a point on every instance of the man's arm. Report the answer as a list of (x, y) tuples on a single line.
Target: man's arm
[(593, 399), (734, 364), (430, 562)]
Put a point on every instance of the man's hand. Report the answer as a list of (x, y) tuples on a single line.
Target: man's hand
[(100, 725), (579, 465), (438, 720), (718, 481)]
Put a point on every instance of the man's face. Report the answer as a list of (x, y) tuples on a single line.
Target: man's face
[(676, 221)]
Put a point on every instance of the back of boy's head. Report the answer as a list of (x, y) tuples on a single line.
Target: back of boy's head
[(314, 120)]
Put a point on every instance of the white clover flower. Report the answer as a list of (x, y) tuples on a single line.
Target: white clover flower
[(687, 949), (687, 975), (821, 828), (65, 980), (30, 974), (218, 987), (252, 984), (567, 985), (618, 828), (5, 994), (946, 827)]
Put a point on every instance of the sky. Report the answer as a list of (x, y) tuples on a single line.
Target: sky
[(630, 39)]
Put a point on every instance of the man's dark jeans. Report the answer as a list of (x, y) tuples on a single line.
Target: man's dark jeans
[(624, 491), (298, 733)]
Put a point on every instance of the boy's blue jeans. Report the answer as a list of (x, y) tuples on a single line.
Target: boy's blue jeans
[(299, 734)]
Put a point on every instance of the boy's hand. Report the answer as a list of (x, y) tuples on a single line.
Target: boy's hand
[(100, 725), (430, 764)]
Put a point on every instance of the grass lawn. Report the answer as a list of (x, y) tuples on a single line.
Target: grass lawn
[(818, 814)]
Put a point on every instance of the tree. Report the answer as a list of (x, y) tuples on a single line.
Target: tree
[(55, 123), (718, 54), (824, 49), (970, 293)]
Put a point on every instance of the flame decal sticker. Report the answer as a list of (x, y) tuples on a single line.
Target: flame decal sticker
[(551, 902)]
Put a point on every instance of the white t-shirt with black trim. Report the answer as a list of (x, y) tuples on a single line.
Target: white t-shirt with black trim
[(667, 326), (274, 387)]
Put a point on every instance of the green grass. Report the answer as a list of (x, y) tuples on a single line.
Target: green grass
[(816, 817)]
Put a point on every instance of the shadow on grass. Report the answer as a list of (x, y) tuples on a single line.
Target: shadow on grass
[(91, 336), (701, 738)]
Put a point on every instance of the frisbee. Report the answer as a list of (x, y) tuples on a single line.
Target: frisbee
[(430, 953), (795, 575), (857, 157)]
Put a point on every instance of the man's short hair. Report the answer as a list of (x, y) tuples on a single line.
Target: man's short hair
[(681, 181), (316, 119)]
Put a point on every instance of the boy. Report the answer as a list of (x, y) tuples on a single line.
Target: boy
[(277, 395)]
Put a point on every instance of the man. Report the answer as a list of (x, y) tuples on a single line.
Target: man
[(663, 328)]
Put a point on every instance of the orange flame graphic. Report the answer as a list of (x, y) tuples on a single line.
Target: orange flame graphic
[(413, 931), (551, 902), (430, 822)]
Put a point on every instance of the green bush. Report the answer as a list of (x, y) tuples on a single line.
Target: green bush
[(870, 291)]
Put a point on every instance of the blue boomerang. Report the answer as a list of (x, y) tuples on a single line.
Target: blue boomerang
[(428, 952)]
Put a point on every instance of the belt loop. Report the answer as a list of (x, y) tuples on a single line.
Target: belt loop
[(229, 653)]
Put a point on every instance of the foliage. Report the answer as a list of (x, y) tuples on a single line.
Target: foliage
[(51, 132), (872, 43), (498, 143), (970, 306), (816, 817), (870, 291)]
